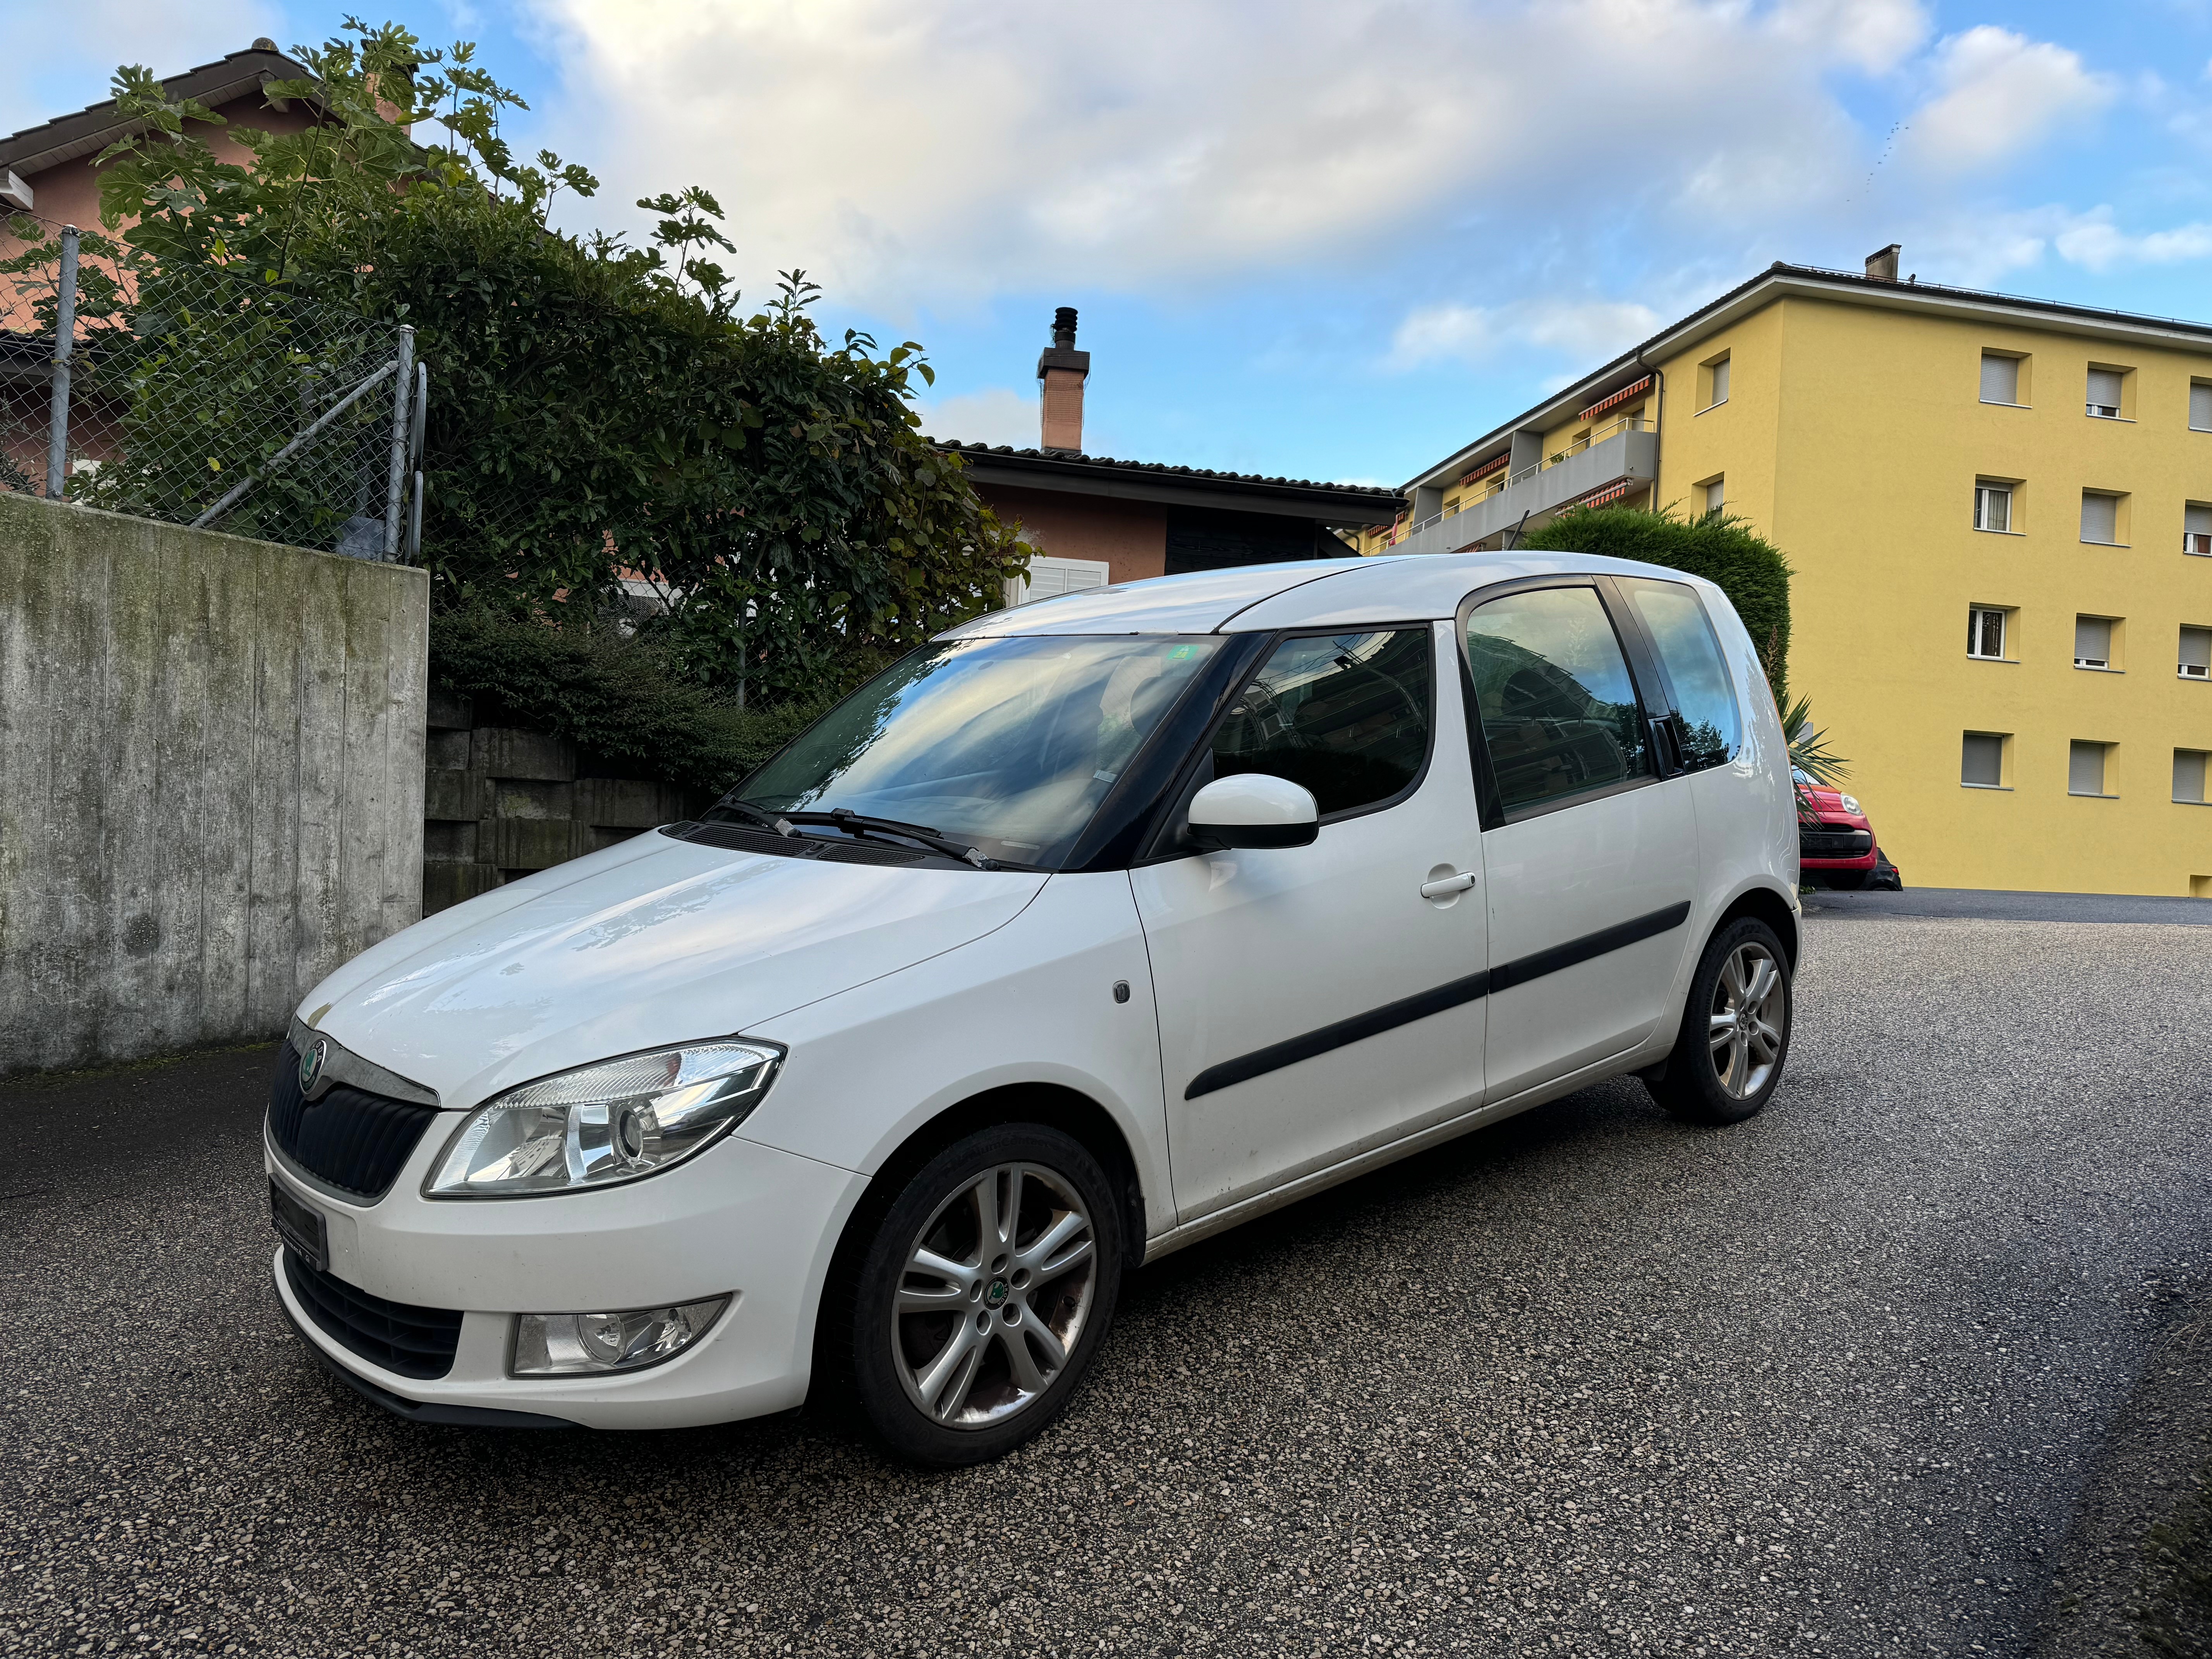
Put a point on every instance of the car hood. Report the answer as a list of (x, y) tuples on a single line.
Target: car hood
[(652, 942), (1828, 806)]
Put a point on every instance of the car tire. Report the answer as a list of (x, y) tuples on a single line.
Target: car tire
[(965, 1335), (1724, 1073)]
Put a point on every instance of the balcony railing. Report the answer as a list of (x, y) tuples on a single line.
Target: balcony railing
[(1499, 482)]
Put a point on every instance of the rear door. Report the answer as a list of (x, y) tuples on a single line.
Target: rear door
[(1589, 847)]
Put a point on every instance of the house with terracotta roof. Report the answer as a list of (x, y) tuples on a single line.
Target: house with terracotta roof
[(1092, 520)]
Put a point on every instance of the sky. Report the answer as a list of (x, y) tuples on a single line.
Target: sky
[(1330, 239)]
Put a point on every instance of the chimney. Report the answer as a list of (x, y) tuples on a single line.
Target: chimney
[(1881, 265), (1062, 369)]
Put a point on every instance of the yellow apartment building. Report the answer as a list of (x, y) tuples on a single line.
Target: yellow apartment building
[(1999, 514)]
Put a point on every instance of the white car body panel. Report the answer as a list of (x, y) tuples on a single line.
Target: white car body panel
[(1253, 947), (675, 943), (905, 993)]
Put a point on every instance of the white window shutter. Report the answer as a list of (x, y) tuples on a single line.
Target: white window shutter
[(2197, 521), (2200, 408), (2188, 775), (2196, 651), (2105, 387), (2100, 517), (1721, 382), (2093, 639), (1983, 761), (2085, 768), (2000, 379)]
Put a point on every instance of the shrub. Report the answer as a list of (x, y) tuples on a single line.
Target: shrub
[(619, 695)]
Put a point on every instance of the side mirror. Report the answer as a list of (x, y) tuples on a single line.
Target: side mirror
[(1252, 808)]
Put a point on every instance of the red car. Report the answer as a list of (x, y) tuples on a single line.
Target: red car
[(1836, 845)]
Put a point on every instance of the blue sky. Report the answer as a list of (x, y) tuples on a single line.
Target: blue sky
[(1323, 237)]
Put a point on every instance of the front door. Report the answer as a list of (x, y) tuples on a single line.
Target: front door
[(1312, 1001), (1590, 858)]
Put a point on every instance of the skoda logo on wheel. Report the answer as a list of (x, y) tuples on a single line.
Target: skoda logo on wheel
[(312, 1063), (996, 1294)]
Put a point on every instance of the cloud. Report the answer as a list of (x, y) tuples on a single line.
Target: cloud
[(2094, 241), (932, 151), (1998, 93), (1589, 331), (996, 415)]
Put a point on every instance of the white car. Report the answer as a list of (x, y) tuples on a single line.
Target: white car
[(1092, 928)]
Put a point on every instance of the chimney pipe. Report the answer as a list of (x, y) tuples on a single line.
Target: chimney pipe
[(1881, 263), (1061, 371)]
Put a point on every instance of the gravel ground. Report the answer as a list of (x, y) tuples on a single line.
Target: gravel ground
[(1832, 1381)]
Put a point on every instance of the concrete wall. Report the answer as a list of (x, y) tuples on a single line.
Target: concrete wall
[(211, 757)]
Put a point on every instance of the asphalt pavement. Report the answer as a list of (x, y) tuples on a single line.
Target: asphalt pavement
[(1843, 1380)]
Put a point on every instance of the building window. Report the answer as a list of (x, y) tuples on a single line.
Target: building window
[(2106, 387), (1714, 376), (2200, 405), (2196, 656), (2086, 765), (1982, 764), (1714, 494), (2196, 529), (2092, 641), (2000, 379), (2188, 776), (1993, 507), (1986, 632), (2100, 517)]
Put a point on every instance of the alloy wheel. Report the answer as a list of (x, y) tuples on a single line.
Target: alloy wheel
[(1745, 1026), (992, 1296)]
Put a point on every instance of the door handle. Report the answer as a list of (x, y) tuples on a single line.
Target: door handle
[(1449, 885)]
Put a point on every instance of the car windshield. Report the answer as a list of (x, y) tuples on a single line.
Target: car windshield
[(1005, 744)]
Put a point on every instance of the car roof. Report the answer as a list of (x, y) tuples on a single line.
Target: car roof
[(1302, 593)]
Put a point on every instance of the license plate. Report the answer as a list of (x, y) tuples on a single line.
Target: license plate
[(300, 1227)]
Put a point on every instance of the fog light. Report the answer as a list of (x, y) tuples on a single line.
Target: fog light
[(566, 1345)]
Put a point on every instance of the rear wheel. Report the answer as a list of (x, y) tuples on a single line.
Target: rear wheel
[(1734, 1038), (984, 1293)]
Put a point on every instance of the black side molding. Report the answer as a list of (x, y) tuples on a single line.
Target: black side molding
[(1452, 994)]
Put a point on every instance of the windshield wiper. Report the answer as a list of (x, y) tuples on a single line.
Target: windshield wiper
[(760, 815), (844, 817)]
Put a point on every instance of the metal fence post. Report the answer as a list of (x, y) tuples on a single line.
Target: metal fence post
[(58, 419), (395, 486)]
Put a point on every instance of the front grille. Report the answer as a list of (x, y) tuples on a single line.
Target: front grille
[(736, 838), (1834, 844), (418, 1342), (355, 1141)]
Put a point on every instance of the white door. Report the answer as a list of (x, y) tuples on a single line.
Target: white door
[(1591, 863), (1312, 1001)]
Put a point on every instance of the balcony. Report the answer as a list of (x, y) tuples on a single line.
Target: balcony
[(1627, 451)]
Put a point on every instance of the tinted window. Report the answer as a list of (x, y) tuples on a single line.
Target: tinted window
[(1673, 615), (1347, 716), (1558, 710), (1009, 744)]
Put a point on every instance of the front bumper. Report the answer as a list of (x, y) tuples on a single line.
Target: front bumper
[(741, 1219)]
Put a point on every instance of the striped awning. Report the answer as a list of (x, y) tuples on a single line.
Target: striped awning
[(1608, 493), (1636, 390), (1492, 464)]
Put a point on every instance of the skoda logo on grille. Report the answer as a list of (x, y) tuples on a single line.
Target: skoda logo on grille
[(312, 1063)]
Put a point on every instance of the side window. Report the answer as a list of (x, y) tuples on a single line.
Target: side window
[(1675, 619), (1558, 711), (1347, 716)]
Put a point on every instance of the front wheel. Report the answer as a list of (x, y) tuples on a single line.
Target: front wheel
[(1728, 1056), (984, 1293)]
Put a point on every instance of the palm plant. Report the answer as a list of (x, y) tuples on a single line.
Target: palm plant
[(1809, 754)]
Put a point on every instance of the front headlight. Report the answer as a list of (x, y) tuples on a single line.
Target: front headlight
[(614, 1122), (1851, 805)]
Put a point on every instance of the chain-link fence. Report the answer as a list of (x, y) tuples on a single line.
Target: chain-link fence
[(203, 396)]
